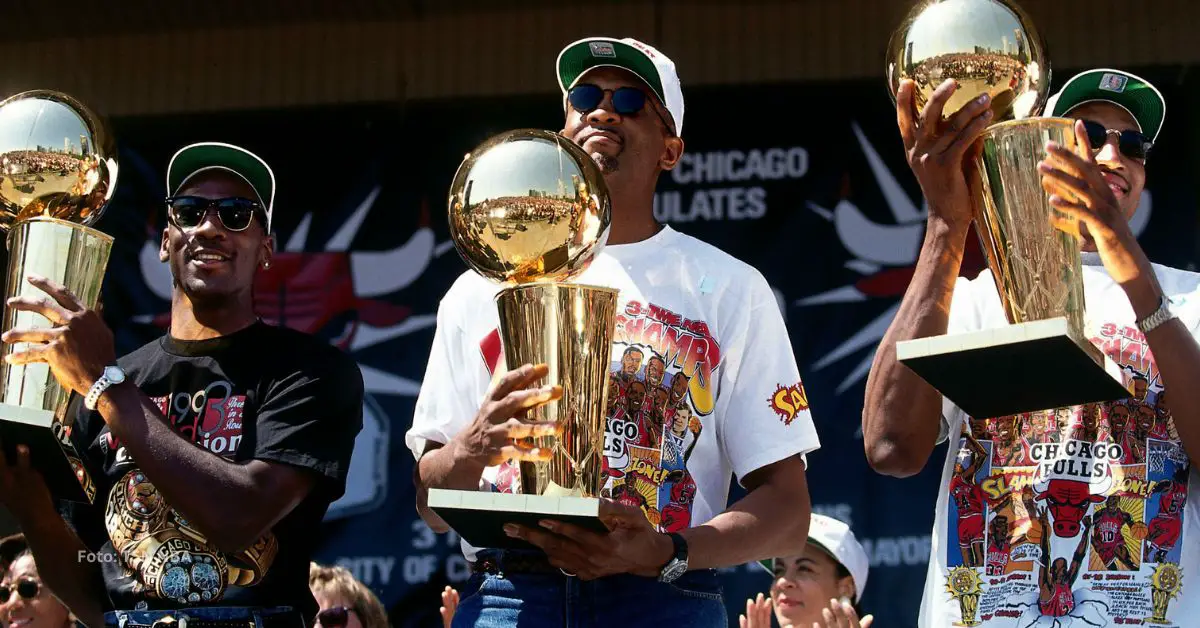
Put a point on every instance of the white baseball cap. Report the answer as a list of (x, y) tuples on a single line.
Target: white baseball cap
[(653, 67), (837, 540)]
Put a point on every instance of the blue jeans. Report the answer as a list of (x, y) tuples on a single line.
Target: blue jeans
[(534, 600), (239, 616)]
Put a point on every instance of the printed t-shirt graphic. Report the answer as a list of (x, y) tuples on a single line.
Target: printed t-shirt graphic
[(702, 384), (262, 393), (1069, 516)]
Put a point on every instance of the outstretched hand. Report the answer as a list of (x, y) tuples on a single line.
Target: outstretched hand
[(500, 430), (631, 546), (758, 613), (842, 615), (1087, 207), (937, 148), (449, 606), (77, 347)]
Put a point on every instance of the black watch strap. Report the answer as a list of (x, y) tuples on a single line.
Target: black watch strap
[(681, 546)]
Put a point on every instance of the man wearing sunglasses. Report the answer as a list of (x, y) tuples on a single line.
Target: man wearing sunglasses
[(216, 449), (720, 342), (1144, 316)]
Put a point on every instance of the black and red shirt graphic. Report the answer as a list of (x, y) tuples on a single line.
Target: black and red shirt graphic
[(264, 393)]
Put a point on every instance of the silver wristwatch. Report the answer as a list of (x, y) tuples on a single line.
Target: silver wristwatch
[(112, 376), (678, 565), (1160, 316)]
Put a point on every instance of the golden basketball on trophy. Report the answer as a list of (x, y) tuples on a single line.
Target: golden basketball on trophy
[(991, 46), (529, 210), (57, 174)]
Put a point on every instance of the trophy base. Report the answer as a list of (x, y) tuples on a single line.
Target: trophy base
[(1028, 367), (62, 470), (479, 517)]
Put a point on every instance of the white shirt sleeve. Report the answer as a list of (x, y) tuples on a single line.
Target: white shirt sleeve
[(765, 416), (447, 401)]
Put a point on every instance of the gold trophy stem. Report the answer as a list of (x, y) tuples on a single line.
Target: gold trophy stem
[(74, 256), (1036, 266), (63, 252), (568, 327)]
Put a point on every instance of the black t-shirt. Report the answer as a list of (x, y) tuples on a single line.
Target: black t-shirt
[(266, 393)]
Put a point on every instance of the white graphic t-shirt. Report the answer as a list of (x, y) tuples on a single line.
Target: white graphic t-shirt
[(1075, 517), (702, 382)]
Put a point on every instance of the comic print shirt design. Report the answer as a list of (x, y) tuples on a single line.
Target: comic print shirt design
[(1071, 516), (702, 382)]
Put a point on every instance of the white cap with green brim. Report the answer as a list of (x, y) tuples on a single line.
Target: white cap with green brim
[(197, 158), (653, 67), (1132, 93)]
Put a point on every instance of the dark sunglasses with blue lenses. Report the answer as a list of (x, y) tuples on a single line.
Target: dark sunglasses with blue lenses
[(235, 213), (1132, 144), (626, 100)]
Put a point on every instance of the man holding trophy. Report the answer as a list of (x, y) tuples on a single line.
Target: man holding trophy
[(218, 447), (702, 383), (1143, 316)]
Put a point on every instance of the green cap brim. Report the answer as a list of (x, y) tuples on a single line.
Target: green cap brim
[(1141, 99), (196, 158), (577, 59)]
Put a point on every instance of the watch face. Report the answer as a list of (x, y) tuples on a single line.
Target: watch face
[(673, 570), (114, 374)]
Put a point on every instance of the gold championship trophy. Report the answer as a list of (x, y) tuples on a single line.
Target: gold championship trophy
[(529, 210), (57, 174), (991, 46)]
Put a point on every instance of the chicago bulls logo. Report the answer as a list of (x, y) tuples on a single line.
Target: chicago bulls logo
[(1069, 501)]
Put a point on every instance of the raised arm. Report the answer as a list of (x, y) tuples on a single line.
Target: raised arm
[(1081, 551), (241, 500), (979, 454), (1067, 175), (1044, 520), (902, 412), (62, 558)]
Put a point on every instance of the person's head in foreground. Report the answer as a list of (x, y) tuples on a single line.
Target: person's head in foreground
[(623, 105), (218, 231), (344, 601), (25, 602), (1123, 115), (833, 567)]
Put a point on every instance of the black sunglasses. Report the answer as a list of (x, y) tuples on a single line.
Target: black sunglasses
[(334, 617), (1131, 143), (27, 589), (626, 101), (235, 213)]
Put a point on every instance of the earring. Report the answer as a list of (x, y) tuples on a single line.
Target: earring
[(266, 265)]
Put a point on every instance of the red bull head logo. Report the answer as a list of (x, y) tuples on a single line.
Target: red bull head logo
[(1069, 501)]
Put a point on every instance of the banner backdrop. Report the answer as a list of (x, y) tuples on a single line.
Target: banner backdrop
[(806, 182)]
